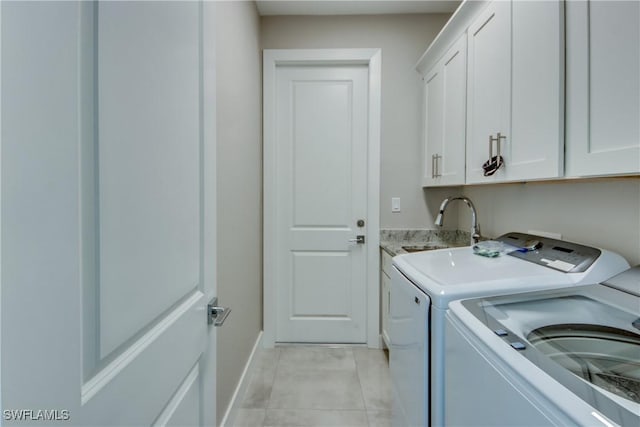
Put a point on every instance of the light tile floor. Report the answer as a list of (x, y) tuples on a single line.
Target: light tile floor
[(318, 386)]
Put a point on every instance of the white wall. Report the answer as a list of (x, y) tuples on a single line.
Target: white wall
[(403, 39), (239, 106), (603, 213)]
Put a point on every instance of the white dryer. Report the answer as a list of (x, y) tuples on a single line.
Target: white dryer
[(423, 284), (549, 358)]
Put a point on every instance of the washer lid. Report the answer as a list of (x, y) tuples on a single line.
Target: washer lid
[(583, 338), (627, 281), (456, 273), (457, 266)]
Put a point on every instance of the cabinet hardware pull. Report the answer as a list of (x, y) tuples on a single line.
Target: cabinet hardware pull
[(433, 168), (491, 139), (492, 165), (437, 157), (498, 138)]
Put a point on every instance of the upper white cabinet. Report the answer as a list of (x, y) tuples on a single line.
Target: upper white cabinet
[(488, 91), (444, 118), (506, 95), (537, 90), (603, 88), (515, 91)]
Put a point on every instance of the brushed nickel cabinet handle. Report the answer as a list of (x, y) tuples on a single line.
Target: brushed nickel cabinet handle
[(499, 137), (433, 167), (437, 168)]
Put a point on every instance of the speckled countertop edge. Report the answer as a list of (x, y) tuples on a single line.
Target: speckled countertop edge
[(392, 240)]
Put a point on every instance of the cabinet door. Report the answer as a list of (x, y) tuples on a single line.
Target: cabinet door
[(454, 73), (489, 88), (536, 145), (433, 123), (445, 116), (603, 89)]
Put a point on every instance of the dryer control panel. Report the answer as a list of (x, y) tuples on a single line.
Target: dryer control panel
[(557, 254)]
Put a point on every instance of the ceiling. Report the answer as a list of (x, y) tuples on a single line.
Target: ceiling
[(354, 7)]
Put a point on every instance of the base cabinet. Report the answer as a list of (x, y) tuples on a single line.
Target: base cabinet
[(385, 291)]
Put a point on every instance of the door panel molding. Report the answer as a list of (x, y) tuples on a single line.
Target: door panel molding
[(135, 349), (184, 405), (272, 58), (148, 161)]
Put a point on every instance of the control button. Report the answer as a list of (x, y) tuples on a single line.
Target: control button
[(518, 345), (501, 332)]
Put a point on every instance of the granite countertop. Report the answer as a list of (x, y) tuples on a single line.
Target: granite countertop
[(392, 241)]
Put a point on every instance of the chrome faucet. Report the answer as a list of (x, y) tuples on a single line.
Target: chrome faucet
[(475, 227)]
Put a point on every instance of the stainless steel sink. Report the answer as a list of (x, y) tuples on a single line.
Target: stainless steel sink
[(427, 247)]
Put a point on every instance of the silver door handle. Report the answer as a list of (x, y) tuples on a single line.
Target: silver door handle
[(216, 315), (359, 240)]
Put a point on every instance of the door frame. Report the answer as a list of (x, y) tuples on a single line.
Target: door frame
[(272, 58)]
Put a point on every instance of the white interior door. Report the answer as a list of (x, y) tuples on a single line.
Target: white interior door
[(321, 122), (107, 213)]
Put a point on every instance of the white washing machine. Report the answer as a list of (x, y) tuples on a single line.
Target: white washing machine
[(423, 284), (550, 358)]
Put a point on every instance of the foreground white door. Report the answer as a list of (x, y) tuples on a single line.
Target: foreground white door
[(107, 213), (321, 193)]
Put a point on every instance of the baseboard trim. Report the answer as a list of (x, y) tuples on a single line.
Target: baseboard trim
[(382, 344), (384, 340), (238, 395)]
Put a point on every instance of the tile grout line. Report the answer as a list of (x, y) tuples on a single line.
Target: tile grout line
[(364, 401), (273, 382), (371, 411)]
